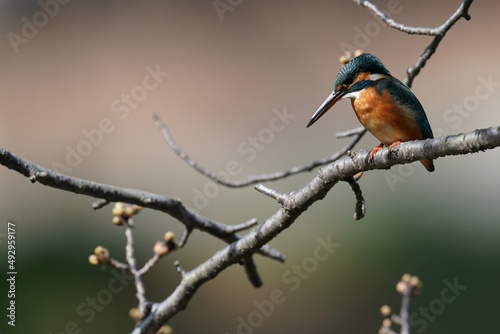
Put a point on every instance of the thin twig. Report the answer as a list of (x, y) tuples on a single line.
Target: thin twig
[(147, 266), (360, 208), (129, 253), (181, 153), (353, 132), (185, 236), (243, 226), (150, 264), (461, 12), (99, 204), (280, 198), (177, 265), (251, 271), (404, 312), (118, 265), (253, 179)]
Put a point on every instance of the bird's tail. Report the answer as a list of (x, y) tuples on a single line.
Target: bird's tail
[(428, 164)]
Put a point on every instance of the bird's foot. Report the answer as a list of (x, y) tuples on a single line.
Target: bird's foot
[(390, 147), (396, 143), (372, 153)]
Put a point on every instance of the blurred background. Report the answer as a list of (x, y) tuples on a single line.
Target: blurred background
[(79, 84)]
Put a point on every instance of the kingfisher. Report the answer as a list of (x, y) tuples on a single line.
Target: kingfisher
[(384, 105)]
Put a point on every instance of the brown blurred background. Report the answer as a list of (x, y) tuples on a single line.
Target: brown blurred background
[(229, 73)]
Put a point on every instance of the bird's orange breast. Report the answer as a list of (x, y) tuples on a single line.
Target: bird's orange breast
[(384, 118)]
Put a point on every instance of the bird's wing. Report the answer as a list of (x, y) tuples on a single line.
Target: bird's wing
[(404, 96)]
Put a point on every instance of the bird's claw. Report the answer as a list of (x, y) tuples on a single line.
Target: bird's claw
[(375, 149), (372, 152), (396, 143)]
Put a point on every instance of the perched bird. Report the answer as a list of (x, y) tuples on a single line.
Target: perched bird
[(385, 106)]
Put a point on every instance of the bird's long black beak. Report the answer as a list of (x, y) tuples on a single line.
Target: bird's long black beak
[(326, 105)]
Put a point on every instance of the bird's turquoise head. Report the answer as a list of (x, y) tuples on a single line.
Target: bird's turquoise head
[(358, 69), (357, 74)]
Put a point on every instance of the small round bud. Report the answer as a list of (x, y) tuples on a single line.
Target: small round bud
[(169, 236), (129, 211), (402, 287), (101, 251), (387, 322), (165, 330), (416, 286), (94, 260), (134, 313), (102, 255), (343, 60), (358, 52), (415, 282), (117, 220), (118, 209), (406, 278), (386, 310), (160, 248)]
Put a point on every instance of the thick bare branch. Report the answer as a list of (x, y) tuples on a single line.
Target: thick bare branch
[(171, 206), (298, 201)]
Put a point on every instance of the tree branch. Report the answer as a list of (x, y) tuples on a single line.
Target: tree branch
[(108, 193), (298, 201), (129, 251), (360, 208), (439, 32), (462, 11), (253, 179)]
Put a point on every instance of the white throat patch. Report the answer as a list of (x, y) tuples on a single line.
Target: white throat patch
[(352, 95), (377, 76)]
